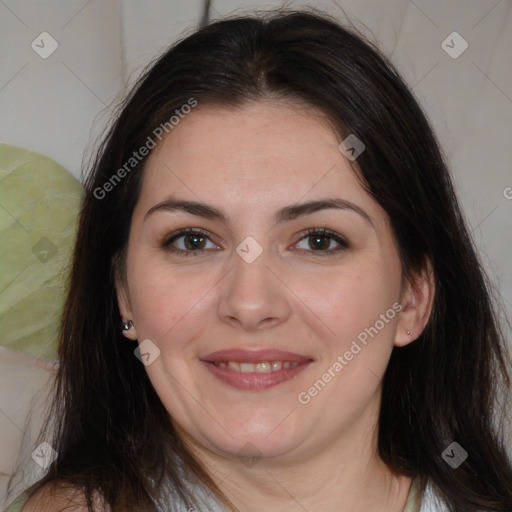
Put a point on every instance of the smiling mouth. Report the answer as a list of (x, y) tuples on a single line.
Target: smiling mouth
[(255, 370)]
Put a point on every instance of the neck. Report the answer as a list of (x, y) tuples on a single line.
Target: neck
[(344, 475)]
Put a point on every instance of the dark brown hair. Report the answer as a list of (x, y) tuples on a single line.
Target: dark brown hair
[(114, 434)]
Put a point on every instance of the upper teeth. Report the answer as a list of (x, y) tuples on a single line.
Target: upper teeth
[(262, 367)]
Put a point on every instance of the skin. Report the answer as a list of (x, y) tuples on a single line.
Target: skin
[(249, 162)]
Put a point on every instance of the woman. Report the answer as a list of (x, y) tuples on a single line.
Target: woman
[(303, 311)]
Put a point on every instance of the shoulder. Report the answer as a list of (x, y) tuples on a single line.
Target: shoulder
[(54, 497)]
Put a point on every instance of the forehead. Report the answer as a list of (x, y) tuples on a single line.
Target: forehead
[(259, 154)]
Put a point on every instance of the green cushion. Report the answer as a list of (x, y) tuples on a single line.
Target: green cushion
[(18, 503), (39, 205)]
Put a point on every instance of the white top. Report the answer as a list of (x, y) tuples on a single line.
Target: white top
[(208, 503), (432, 503)]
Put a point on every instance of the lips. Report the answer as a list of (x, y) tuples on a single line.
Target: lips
[(255, 370)]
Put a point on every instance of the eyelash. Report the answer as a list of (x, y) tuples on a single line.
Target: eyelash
[(343, 243)]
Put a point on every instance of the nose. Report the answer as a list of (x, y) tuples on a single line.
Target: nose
[(253, 295)]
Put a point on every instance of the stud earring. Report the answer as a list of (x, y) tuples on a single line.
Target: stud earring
[(408, 333), (127, 326)]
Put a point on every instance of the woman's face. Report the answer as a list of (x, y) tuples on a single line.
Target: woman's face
[(260, 338)]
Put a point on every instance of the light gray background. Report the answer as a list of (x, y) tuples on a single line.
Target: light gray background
[(59, 105)]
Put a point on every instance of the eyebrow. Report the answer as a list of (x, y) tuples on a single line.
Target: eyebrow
[(286, 214)]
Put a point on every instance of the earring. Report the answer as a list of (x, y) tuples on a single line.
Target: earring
[(127, 326), (409, 333)]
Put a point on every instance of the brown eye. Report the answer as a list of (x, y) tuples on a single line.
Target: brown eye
[(194, 241), (188, 242), (322, 240)]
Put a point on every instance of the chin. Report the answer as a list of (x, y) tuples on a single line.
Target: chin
[(252, 448), (255, 440)]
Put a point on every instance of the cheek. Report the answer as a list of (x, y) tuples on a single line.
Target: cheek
[(351, 298), (168, 301), (357, 307)]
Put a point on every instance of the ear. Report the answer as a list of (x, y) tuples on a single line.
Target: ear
[(123, 299), (417, 298)]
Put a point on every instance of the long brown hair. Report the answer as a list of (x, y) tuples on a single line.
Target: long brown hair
[(113, 433)]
